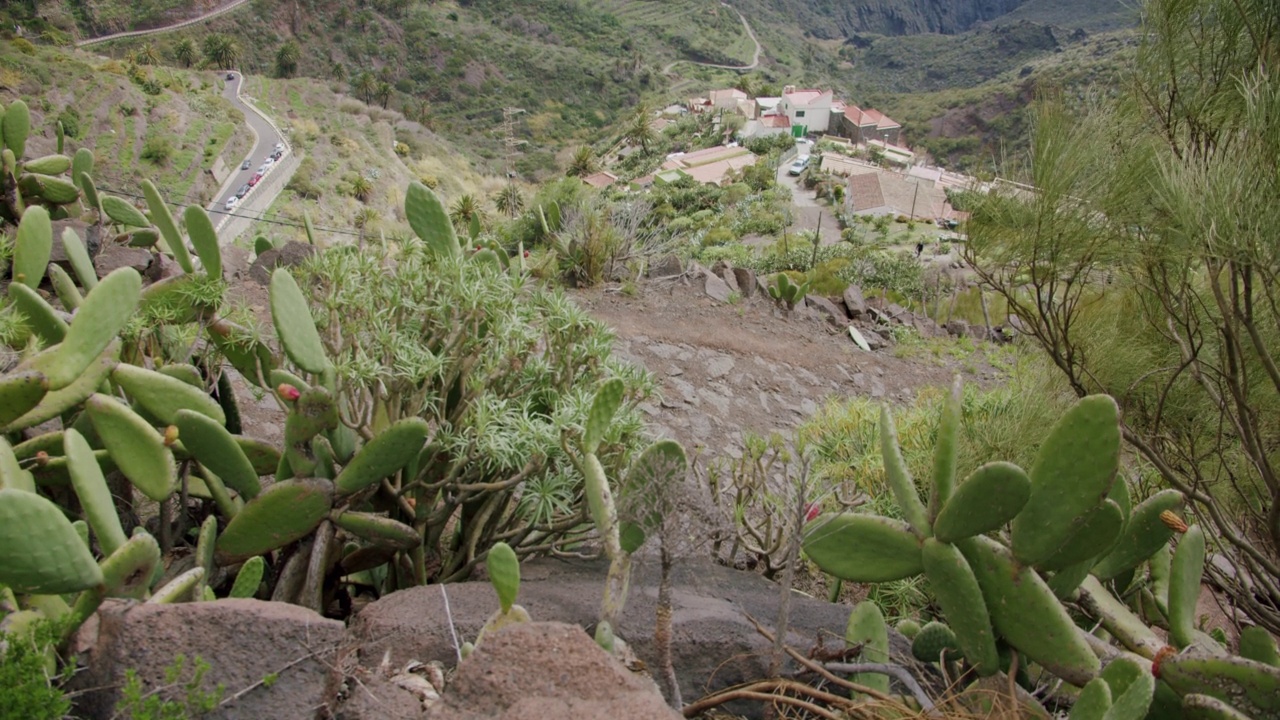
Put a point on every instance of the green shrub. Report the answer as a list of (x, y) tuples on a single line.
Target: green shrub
[(24, 46), (27, 687), (157, 147)]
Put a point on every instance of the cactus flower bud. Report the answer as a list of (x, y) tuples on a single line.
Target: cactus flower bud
[(288, 392), (526, 253), (170, 435), (811, 511), (42, 458), (1173, 522), (1165, 652)]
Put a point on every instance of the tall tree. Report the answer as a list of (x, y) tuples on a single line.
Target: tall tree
[(364, 86), (185, 52), (382, 91), (639, 129), (1144, 264), (287, 58)]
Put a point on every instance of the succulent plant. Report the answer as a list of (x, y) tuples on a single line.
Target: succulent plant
[(786, 293), (1071, 526)]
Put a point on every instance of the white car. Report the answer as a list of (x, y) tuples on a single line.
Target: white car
[(231, 203), (799, 165), (268, 162), (262, 169), (279, 147)]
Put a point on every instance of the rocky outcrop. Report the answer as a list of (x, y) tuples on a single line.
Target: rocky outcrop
[(541, 670), (247, 645), (290, 254)]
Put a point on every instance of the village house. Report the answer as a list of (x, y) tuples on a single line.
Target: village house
[(712, 165), (862, 126), (808, 110)]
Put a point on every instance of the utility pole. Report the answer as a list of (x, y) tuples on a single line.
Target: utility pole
[(512, 147)]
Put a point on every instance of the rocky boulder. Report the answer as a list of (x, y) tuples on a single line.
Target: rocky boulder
[(827, 309), (715, 644), (291, 254), (854, 302), (542, 670), (665, 266), (244, 642), (746, 281), (113, 257)]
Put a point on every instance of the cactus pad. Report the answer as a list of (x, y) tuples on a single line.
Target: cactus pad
[(106, 309), (218, 450), (1185, 573), (899, 478), (138, 450), (204, 239), (91, 488), (504, 574), (956, 589), (32, 246), (430, 221), (1251, 687), (294, 324), (386, 453), (249, 578), (1026, 612), (163, 221), (990, 497), (946, 451), (933, 638), (59, 401), (380, 530), (607, 401), (285, 512), (1143, 535), (863, 548), (1071, 476), (1257, 644), (44, 321), (866, 626), (39, 550), (164, 396), (19, 393)]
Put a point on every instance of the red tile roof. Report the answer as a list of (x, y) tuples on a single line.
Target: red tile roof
[(602, 179), (862, 118), (775, 121)]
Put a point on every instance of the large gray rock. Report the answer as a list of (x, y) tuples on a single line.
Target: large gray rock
[(290, 254), (746, 278), (958, 328), (716, 288), (113, 257), (236, 262), (243, 641), (715, 644), (544, 670), (854, 302), (665, 266), (828, 309)]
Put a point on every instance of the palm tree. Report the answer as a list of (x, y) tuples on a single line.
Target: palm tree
[(746, 85), (185, 52), (361, 188), (364, 85), (584, 162), (464, 209), (338, 71), (640, 128), (287, 58), (509, 201), (148, 55), (232, 54), (221, 51), (383, 93)]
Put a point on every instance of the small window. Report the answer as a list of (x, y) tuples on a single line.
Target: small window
[(799, 113)]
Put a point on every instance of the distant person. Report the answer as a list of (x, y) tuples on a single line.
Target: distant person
[(919, 248)]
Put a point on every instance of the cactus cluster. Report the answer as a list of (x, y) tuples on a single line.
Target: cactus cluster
[(1071, 526), (788, 294)]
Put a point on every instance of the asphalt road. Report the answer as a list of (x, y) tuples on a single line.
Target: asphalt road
[(265, 145)]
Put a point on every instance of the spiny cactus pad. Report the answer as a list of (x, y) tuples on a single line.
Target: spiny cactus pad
[(44, 321), (204, 239), (863, 548), (32, 246), (78, 256), (249, 578), (135, 446), (106, 309), (1251, 687), (386, 453), (217, 449), (380, 530), (285, 512), (294, 324), (1025, 611), (1093, 702), (1143, 535), (58, 401), (430, 220), (946, 451), (20, 392), (957, 591), (990, 497), (932, 639), (163, 221), (1185, 574), (91, 488), (1096, 536), (504, 574), (899, 478), (607, 401), (164, 396), (39, 550), (1071, 475), (867, 627)]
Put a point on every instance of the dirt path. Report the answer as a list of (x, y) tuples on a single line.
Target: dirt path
[(755, 56)]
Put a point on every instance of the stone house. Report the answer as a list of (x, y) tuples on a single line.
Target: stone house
[(862, 126)]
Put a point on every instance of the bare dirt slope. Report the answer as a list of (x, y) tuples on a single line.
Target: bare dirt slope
[(725, 369)]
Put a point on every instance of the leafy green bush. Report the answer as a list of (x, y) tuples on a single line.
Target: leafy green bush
[(27, 688)]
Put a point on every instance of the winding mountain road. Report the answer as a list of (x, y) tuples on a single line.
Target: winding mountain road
[(755, 57), (167, 28)]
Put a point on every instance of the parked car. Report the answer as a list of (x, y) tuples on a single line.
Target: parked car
[(799, 165), (245, 165), (244, 190), (231, 203), (280, 148), (253, 181), (231, 76), (262, 169), (277, 155), (269, 162)]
